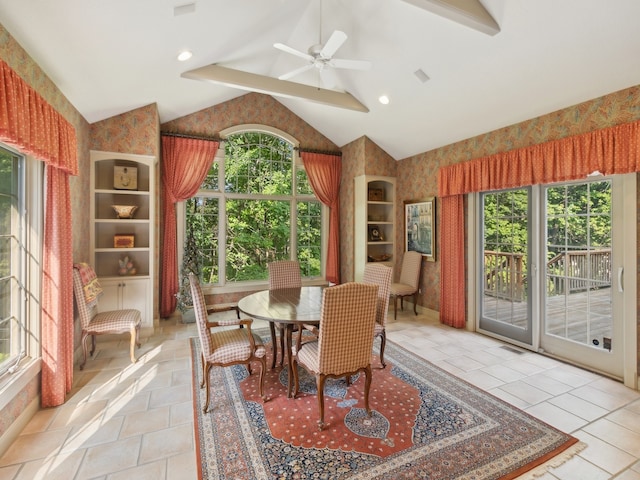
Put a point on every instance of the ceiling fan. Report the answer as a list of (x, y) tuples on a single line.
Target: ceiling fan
[(320, 56)]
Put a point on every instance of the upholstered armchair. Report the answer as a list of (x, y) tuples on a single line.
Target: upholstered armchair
[(379, 274), (282, 274), (224, 347), (86, 290), (345, 339), (408, 283)]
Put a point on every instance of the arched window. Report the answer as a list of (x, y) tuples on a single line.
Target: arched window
[(255, 206)]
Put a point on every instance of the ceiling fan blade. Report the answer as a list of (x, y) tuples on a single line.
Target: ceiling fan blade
[(335, 41), (295, 72), (293, 51), (328, 78), (350, 64)]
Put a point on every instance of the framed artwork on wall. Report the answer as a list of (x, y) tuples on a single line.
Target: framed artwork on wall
[(420, 227)]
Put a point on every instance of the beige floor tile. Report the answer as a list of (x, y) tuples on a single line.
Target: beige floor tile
[(149, 471), (527, 393), (603, 454), (151, 420), (166, 443), (578, 468), (35, 446), (616, 435), (59, 467), (556, 417), (111, 457), (578, 406), (182, 466)]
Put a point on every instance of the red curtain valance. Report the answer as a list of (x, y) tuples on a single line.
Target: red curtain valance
[(34, 127), (610, 151)]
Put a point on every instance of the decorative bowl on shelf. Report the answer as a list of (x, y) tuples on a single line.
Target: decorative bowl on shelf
[(125, 211)]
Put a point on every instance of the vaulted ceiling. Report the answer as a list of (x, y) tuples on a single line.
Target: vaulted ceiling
[(112, 56)]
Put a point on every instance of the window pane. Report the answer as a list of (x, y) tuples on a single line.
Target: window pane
[(258, 232), (201, 239), (303, 187), (11, 253), (309, 237), (258, 163), (211, 180)]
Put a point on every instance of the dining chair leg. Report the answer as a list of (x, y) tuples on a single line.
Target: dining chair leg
[(263, 367), (288, 340), (274, 344), (282, 347), (367, 386), (320, 379), (383, 344), (395, 307)]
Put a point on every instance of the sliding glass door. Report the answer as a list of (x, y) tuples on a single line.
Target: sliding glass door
[(506, 287), (551, 272)]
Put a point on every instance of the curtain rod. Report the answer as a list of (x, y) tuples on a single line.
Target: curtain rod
[(195, 137), (323, 152), (218, 139)]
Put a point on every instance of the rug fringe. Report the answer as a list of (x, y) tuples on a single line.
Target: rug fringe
[(554, 462)]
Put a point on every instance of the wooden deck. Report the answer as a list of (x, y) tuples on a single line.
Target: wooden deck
[(579, 316)]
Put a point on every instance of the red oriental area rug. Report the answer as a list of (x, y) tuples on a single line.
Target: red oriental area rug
[(426, 424)]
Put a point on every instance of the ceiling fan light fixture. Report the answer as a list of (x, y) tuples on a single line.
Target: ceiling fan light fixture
[(185, 55), (383, 99)]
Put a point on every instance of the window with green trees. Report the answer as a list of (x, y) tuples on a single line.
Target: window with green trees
[(255, 206), (12, 256)]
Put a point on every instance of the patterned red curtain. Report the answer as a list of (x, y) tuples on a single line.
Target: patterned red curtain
[(614, 150), (324, 173), (33, 126), (185, 163)]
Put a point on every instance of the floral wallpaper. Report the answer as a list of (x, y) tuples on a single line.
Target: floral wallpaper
[(252, 108)]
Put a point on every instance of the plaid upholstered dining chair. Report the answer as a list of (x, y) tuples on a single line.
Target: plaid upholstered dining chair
[(380, 275), (345, 339), (282, 274), (86, 290), (224, 347), (408, 283)]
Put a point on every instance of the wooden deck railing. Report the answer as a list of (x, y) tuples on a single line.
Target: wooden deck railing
[(578, 271), (505, 273)]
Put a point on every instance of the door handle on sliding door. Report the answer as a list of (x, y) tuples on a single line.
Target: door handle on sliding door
[(620, 272)]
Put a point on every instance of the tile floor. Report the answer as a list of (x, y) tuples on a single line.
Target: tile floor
[(126, 421)]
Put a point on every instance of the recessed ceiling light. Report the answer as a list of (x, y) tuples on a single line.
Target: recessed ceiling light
[(383, 99), (184, 55)]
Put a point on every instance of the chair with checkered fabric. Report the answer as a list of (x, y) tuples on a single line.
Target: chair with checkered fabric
[(380, 275), (345, 339), (224, 347), (282, 274), (408, 283), (95, 323)]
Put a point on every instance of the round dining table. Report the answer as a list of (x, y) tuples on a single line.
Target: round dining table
[(289, 306)]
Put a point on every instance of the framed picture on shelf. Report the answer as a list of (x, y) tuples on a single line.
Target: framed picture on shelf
[(124, 241), (125, 178), (420, 227), (374, 233)]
